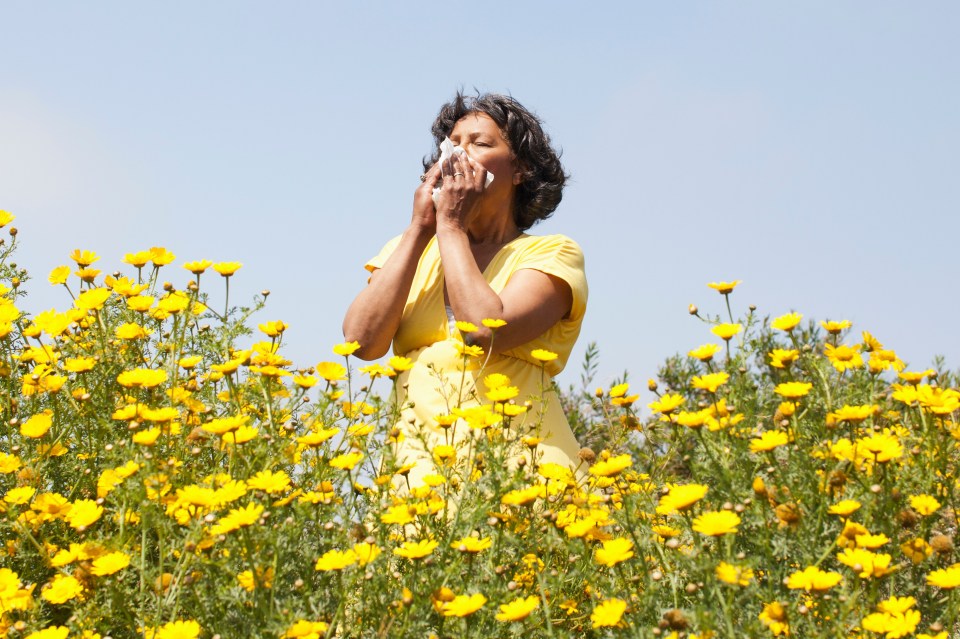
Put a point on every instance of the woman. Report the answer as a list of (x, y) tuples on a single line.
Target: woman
[(467, 258)]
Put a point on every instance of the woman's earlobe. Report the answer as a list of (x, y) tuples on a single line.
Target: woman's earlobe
[(518, 178)]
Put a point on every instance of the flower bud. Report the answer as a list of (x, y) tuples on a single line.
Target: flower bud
[(692, 309)]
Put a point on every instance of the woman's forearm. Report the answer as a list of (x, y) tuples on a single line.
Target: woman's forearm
[(374, 316), (468, 292)]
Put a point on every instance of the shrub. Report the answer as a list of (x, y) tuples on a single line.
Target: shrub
[(164, 473)]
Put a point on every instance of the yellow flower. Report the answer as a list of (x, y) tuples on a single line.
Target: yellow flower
[(812, 578), (916, 549), (273, 328), (59, 275), (726, 331), (269, 481), (774, 617), (416, 549), (19, 495), (705, 353), (667, 404), (52, 632), (198, 267), (854, 414), (717, 524), (542, 355), (793, 390), (238, 518), (865, 563), (249, 581), (724, 288), (463, 605), (912, 377), (317, 437), (710, 382), (227, 268), (147, 437), (884, 360), (38, 425), (84, 258), (612, 466), (781, 358), (335, 560), (946, 578), (92, 299), (304, 629), (896, 605), (110, 563), (399, 363), (518, 609), (472, 545), (613, 552), (346, 461), (331, 371), (733, 575), (608, 613), (346, 349), (466, 327), (835, 328), (894, 625), (924, 504), (9, 463), (694, 419), (680, 497), (52, 323), (786, 322), (493, 323), (84, 512), (472, 350), (178, 630), (63, 588), (222, 425), (130, 331), (768, 441), (142, 378), (138, 259), (6, 217), (843, 357), (883, 447), (365, 552), (844, 508)]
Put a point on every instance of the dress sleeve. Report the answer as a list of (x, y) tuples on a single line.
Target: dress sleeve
[(381, 258), (561, 257)]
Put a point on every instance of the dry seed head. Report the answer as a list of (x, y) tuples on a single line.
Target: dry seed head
[(941, 544)]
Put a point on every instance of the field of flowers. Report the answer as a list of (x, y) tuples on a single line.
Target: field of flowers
[(166, 472)]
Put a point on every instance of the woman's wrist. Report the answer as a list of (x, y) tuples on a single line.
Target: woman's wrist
[(420, 231)]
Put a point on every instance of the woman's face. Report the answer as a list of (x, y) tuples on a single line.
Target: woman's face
[(480, 137)]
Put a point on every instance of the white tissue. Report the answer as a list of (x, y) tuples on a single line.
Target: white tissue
[(447, 151)]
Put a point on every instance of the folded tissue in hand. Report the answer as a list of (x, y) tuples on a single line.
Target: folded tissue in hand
[(447, 151)]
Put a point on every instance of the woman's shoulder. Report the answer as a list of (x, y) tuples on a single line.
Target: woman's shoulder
[(555, 246), (548, 242)]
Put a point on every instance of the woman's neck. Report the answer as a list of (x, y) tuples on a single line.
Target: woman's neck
[(493, 227)]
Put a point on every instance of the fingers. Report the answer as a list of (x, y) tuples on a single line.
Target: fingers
[(478, 174), (447, 169), (463, 170), (433, 176)]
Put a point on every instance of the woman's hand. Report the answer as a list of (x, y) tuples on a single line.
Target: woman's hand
[(463, 183), (424, 212)]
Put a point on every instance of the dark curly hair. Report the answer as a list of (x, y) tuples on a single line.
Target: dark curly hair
[(541, 188)]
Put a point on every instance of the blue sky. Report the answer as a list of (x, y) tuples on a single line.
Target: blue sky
[(808, 149)]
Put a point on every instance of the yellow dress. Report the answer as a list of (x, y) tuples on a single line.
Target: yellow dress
[(437, 382)]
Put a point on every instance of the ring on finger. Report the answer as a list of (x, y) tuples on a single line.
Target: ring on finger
[(457, 173)]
